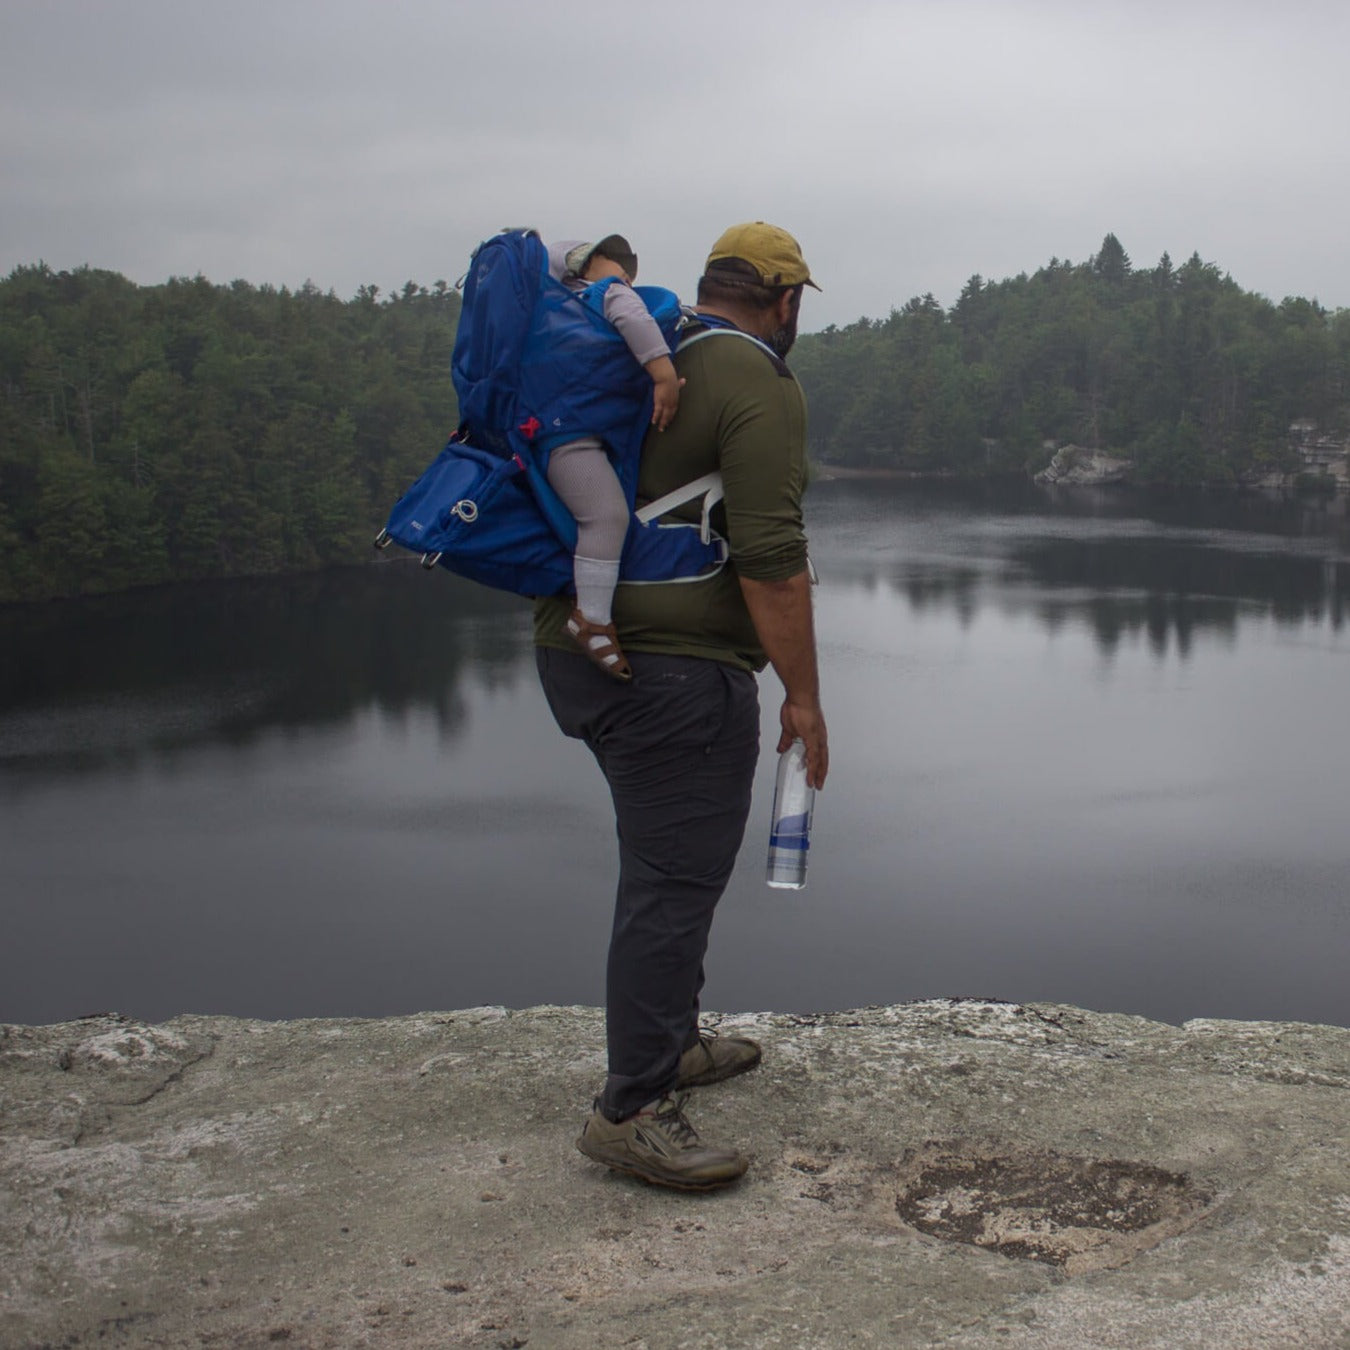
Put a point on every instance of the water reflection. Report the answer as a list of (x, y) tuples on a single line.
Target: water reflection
[(1123, 563), (107, 680), (344, 795), (1293, 587), (931, 586), (177, 667)]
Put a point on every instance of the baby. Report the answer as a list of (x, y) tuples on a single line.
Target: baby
[(579, 471)]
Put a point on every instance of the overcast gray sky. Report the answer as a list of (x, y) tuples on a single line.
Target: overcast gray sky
[(908, 144)]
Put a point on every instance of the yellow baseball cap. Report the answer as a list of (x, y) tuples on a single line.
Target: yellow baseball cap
[(772, 252)]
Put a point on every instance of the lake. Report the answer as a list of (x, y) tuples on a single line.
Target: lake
[(1087, 746)]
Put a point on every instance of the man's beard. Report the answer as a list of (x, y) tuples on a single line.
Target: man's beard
[(781, 339)]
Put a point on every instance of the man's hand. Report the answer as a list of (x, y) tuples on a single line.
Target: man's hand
[(808, 723)]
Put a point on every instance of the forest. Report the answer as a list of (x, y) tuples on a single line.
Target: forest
[(1175, 368), (191, 430)]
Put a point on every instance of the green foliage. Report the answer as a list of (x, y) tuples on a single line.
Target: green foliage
[(1178, 369), (194, 430), (190, 430)]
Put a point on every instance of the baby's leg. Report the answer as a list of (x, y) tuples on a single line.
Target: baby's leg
[(581, 474)]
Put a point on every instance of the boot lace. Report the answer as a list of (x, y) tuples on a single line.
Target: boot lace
[(670, 1116)]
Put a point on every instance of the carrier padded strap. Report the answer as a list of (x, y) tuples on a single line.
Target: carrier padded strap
[(729, 332), (709, 487)]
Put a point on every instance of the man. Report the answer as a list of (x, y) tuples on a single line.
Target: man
[(679, 742)]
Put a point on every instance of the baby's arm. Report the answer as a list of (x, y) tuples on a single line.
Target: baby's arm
[(625, 310), (666, 386)]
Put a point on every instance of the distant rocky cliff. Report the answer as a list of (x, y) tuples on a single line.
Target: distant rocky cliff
[(1315, 453), (1075, 465), (1319, 453)]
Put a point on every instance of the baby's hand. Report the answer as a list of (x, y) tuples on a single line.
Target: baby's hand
[(665, 401), (666, 386)]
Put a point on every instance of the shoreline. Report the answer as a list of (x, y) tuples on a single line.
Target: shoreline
[(822, 473)]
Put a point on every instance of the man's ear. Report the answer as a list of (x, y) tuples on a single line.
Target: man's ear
[(784, 307)]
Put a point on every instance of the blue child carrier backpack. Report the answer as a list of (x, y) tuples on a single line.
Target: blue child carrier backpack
[(535, 365)]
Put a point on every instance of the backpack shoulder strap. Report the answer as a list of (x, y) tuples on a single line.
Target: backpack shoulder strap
[(709, 486), (702, 333), (702, 328)]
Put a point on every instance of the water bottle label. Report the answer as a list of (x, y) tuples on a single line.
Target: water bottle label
[(789, 832), (790, 824)]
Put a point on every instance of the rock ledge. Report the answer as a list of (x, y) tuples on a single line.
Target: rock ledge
[(951, 1173)]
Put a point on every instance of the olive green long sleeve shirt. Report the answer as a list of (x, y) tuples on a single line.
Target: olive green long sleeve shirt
[(742, 413)]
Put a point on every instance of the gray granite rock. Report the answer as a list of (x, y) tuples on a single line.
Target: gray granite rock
[(1075, 466), (955, 1174)]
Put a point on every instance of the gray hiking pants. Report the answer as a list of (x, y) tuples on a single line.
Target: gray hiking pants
[(678, 747)]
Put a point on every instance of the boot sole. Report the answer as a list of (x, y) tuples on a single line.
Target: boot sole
[(672, 1180)]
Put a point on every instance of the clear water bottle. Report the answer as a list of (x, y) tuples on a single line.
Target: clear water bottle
[(790, 830)]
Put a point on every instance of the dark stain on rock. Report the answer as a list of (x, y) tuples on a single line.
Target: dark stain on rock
[(1074, 1212)]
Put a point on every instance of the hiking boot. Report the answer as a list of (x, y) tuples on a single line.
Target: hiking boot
[(716, 1058), (660, 1146)]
